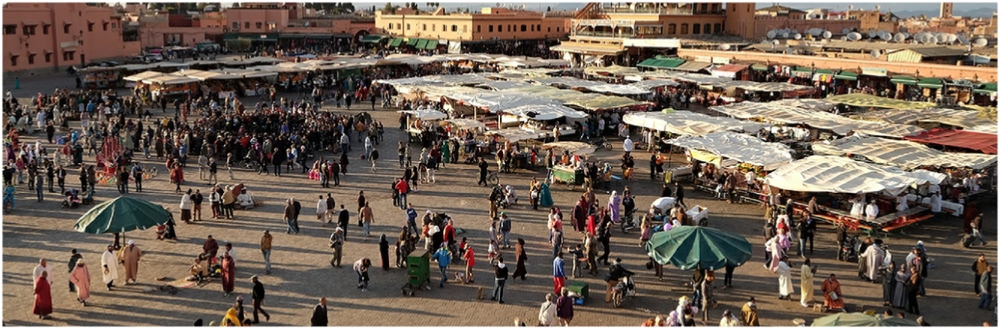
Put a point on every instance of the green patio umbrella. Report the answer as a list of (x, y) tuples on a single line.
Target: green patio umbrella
[(687, 247), (862, 320), (120, 215)]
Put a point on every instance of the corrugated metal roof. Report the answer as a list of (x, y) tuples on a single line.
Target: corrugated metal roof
[(930, 52), (693, 66)]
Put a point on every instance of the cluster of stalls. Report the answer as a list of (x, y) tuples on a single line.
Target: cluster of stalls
[(841, 150)]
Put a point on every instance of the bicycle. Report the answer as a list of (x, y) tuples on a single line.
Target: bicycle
[(493, 178)]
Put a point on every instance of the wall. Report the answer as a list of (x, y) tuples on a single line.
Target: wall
[(925, 70), (277, 16), (506, 26), (97, 42), (765, 24), (740, 20)]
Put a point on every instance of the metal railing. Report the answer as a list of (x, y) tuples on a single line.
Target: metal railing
[(655, 10)]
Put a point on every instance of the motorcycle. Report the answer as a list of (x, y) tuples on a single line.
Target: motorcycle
[(601, 143), (624, 288), (849, 251), (628, 221)]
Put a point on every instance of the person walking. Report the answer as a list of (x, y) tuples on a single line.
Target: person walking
[(290, 220), (986, 288), (558, 272), (978, 268), (367, 217), (505, 227), (470, 261), (806, 283), (319, 315), (80, 276), (679, 194), (73, 259), (913, 289), (257, 293), (42, 306), (590, 244), (109, 263), (556, 240), (337, 243), (547, 313), (564, 308), (500, 269), (520, 257), (343, 219), (443, 257), (383, 251), (196, 200), (785, 286), (265, 250), (321, 210), (185, 207)]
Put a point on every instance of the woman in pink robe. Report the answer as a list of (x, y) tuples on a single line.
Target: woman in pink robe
[(43, 297), (80, 277), (228, 274)]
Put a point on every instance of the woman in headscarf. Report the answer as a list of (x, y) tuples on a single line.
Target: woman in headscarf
[(580, 214), (228, 274), (614, 203), (170, 233), (383, 250), (521, 257), (888, 283), (545, 196), (231, 319), (899, 298), (343, 163), (80, 277), (43, 297)]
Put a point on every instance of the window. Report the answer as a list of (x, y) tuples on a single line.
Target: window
[(236, 25), (433, 27), (104, 26), (532, 28), (558, 29), (45, 29), (716, 8), (696, 29), (260, 25), (66, 28), (444, 28), (454, 28), (538, 27), (672, 28), (13, 60), (31, 59), (479, 29), (68, 55), (48, 57), (424, 27), (707, 29), (407, 27), (549, 29), (29, 30), (10, 29), (114, 26), (491, 29), (246, 25), (499, 28), (90, 27), (524, 28), (718, 28), (704, 7)]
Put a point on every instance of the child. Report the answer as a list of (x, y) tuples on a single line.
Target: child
[(461, 248), (492, 251), (470, 260), (578, 257)]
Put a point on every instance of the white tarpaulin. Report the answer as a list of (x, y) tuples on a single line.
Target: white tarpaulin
[(545, 112), (903, 154), (739, 147), (169, 79), (577, 148), (504, 85), (650, 84), (808, 104), (834, 174), (514, 134), (143, 76), (688, 123), (959, 118), (426, 114), (817, 119), (466, 123)]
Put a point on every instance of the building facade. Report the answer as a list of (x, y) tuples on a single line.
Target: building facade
[(744, 20), (53, 36), (490, 24)]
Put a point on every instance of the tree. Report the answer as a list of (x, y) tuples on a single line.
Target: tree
[(347, 7), (414, 5), (388, 8), (548, 9), (309, 5)]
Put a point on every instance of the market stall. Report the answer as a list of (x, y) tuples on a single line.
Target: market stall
[(569, 167), (99, 77), (903, 154), (420, 124)]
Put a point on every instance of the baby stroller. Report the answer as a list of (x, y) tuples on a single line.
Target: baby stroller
[(72, 199)]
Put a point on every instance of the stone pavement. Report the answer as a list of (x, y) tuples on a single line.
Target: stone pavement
[(301, 273)]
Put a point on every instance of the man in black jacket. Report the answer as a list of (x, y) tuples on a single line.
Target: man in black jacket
[(482, 171), (344, 219), (258, 298), (500, 269), (319, 318)]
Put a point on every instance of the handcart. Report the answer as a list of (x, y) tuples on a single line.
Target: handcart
[(697, 215), (567, 175), (418, 270)]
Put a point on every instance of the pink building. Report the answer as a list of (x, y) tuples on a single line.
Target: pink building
[(53, 36), (178, 29)]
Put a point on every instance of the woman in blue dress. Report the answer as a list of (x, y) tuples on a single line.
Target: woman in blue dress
[(545, 199)]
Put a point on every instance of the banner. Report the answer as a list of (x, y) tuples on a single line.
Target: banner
[(455, 47)]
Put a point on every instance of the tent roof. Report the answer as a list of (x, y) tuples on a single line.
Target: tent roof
[(738, 147), (142, 76), (983, 142), (688, 123), (426, 114), (546, 112), (904, 154), (834, 174)]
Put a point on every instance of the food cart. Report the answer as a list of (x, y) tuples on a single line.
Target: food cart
[(567, 171), (419, 120), (418, 271), (99, 77)]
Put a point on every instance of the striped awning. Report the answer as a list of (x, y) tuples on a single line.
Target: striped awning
[(396, 42), (693, 66)]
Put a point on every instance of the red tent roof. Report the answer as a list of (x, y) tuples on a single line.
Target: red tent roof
[(983, 142)]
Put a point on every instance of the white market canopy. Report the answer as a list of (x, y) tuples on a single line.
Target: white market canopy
[(169, 79), (143, 76), (738, 147), (545, 112), (808, 104), (654, 83), (959, 118), (515, 134), (466, 123), (504, 85), (688, 123), (832, 174), (577, 148), (426, 114), (903, 154), (818, 119), (246, 74)]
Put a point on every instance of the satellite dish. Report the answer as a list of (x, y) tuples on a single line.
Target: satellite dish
[(798, 36), (877, 7), (876, 53), (724, 47), (932, 40), (843, 38), (771, 34), (963, 40), (980, 42), (871, 33), (886, 36), (827, 34), (795, 31), (903, 29), (845, 31), (784, 35), (899, 37), (775, 42), (850, 7), (854, 36), (952, 38)]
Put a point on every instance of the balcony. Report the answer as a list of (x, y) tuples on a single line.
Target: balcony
[(646, 10), (604, 34)]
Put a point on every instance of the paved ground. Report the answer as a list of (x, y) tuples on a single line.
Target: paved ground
[(301, 272)]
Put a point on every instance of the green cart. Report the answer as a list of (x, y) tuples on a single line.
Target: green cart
[(418, 270)]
